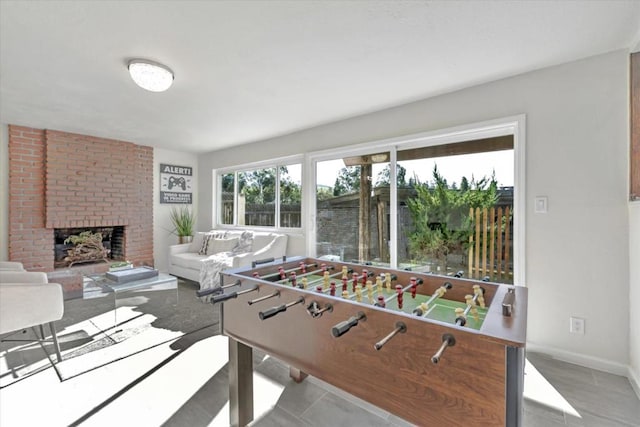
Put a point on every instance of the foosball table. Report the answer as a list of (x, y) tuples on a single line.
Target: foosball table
[(433, 350)]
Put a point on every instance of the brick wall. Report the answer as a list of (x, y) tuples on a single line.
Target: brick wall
[(29, 239), (65, 180)]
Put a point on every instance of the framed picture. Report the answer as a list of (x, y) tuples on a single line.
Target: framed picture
[(175, 184)]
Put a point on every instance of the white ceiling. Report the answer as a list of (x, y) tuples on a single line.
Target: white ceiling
[(251, 70)]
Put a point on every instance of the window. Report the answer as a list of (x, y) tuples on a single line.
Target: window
[(442, 202), (350, 216), (455, 208), (263, 197)]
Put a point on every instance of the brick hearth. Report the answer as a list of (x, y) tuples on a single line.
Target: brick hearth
[(65, 180)]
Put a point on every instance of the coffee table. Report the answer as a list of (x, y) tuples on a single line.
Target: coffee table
[(161, 290)]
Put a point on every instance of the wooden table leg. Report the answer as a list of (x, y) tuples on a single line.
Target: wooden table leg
[(240, 383), (296, 374)]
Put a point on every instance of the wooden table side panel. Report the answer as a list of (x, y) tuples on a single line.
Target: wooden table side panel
[(467, 385)]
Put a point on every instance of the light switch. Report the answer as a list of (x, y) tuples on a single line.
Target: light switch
[(541, 204)]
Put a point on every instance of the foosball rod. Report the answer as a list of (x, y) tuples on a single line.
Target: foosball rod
[(405, 289), (267, 276), (322, 278), (400, 328), (209, 291), (462, 319), (224, 297), (309, 273), (448, 340), (253, 301), (437, 294)]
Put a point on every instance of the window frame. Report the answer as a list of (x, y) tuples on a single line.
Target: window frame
[(514, 125), (248, 167)]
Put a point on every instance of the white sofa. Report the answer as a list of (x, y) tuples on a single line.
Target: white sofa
[(225, 249)]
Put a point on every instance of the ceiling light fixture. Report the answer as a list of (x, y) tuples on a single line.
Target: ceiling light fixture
[(150, 75)]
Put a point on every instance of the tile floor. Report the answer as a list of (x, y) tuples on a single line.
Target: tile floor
[(186, 385)]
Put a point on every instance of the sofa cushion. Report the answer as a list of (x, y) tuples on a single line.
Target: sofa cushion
[(222, 245), (188, 260)]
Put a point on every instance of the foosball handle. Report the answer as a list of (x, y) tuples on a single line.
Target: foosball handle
[(272, 311), (448, 340), (261, 261), (279, 309), (222, 298), (209, 291), (343, 327)]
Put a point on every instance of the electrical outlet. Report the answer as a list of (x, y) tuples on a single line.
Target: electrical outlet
[(576, 325)]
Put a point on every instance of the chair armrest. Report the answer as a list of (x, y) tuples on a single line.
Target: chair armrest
[(179, 249), (11, 265), (23, 305), (32, 277)]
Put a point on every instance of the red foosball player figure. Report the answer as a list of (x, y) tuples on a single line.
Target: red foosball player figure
[(319, 288), (381, 302), (345, 283), (332, 289), (303, 267), (355, 282), (323, 267), (283, 275), (256, 275), (364, 276), (399, 291), (414, 287), (294, 279)]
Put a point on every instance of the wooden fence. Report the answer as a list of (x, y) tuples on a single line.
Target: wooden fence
[(490, 245), (262, 214)]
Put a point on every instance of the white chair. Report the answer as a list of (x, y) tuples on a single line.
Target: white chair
[(27, 300), (11, 266)]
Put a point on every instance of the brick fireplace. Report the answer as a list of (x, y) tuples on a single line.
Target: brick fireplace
[(60, 180)]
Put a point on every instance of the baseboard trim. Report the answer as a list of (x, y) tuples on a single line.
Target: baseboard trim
[(581, 359)]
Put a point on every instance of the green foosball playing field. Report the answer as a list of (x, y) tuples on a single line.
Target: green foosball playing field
[(441, 309)]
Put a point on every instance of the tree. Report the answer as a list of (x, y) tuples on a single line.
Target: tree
[(348, 181), (384, 176), (440, 215), (259, 186)]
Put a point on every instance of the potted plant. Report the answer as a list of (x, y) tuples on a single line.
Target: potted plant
[(183, 220)]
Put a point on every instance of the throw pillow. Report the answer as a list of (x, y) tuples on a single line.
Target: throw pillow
[(196, 243), (245, 244), (222, 245), (207, 238)]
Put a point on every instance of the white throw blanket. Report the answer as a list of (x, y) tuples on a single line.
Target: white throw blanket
[(211, 268)]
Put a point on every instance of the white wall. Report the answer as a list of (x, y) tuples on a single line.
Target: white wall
[(162, 236), (577, 255), (634, 293), (4, 192)]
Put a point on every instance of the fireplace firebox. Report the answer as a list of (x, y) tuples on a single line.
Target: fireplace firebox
[(111, 246)]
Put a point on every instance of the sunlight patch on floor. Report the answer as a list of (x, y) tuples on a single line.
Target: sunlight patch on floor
[(155, 399), (266, 394), (538, 389)]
